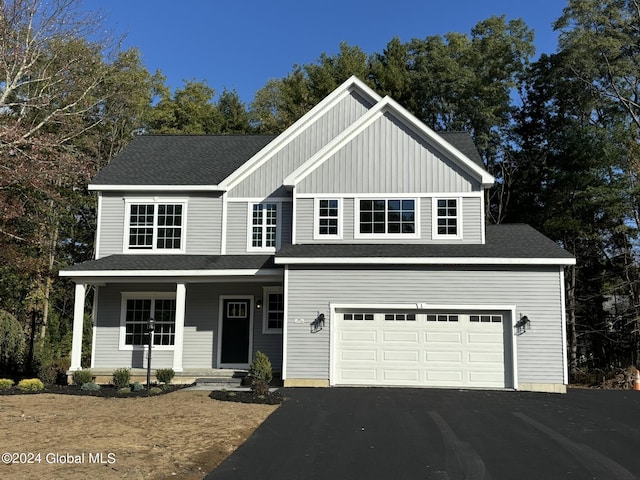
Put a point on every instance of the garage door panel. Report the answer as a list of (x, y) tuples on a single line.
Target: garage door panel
[(397, 377), (446, 376), (359, 355), (443, 337), (406, 337), (359, 336), (401, 356), (495, 358), (359, 374), (484, 338), (444, 356)]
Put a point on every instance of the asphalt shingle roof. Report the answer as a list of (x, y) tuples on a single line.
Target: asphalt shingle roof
[(463, 142), (502, 241), (117, 263), (180, 159)]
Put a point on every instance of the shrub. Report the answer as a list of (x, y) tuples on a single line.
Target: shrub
[(6, 383), (260, 373), (121, 377), (31, 385), (137, 387), (12, 343), (124, 390), (90, 387), (80, 377), (55, 371), (165, 375), (155, 391)]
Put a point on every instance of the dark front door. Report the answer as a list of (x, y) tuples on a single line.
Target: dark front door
[(236, 331)]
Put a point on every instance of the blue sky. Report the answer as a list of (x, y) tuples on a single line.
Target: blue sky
[(243, 43)]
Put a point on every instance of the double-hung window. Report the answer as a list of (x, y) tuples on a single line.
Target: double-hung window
[(155, 226), (137, 309), (447, 218), (264, 226), (328, 222), (273, 318), (390, 217)]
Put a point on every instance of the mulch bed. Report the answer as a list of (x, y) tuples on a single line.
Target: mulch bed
[(106, 391), (272, 398)]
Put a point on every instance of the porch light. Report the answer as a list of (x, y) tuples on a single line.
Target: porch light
[(522, 325), (259, 304), (150, 327)]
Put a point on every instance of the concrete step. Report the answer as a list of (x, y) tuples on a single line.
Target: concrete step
[(219, 381)]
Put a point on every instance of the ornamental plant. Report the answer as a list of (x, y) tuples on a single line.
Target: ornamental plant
[(165, 375), (90, 387), (80, 377), (260, 373), (121, 377), (31, 385), (6, 383)]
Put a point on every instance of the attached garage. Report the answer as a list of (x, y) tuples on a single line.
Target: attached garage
[(423, 348)]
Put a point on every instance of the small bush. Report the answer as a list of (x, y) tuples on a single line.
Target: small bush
[(121, 377), (165, 375), (80, 377), (137, 387), (6, 383), (31, 385), (155, 391), (54, 371), (90, 387), (124, 390), (260, 373)]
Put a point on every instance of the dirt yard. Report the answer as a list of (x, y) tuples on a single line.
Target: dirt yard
[(183, 434)]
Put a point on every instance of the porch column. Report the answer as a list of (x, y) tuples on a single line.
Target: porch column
[(181, 297), (78, 321)]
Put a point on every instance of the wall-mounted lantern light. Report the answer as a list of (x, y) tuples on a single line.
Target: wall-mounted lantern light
[(259, 304), (318, 323), (522, 325)]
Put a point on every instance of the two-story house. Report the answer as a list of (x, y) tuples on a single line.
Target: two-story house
[(351, 249)]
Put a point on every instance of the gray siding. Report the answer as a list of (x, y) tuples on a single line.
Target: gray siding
[(200, 327), (267, 179), (203, 223), (472, 222), (388, 158), (238, 222), (534, 291)]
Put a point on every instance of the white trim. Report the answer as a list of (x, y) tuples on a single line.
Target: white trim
[(316, 219), (421, 306), (259, 199), (386, 236), (155, 188), (378, 195), (181, 303), (421, 261), (483, 220), (285, 328), (124, 296), (155, 201), (250, 307), (383, 106), (250, 247), (94, 323), (514, 349), (351, 84), (434, 219), (96, 251), (266, 291), (172, 273), (78, 324), (563, 323), (294, 213), (223, 229)]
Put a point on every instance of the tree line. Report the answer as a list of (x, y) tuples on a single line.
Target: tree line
[(560, 133)]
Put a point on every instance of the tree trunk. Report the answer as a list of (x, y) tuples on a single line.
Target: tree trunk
[(572, 335)]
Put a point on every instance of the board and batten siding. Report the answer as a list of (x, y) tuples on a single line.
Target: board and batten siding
[(267, 178), (238, 224), (535, 291), (387, 157), (200, 327), (472, 222), (203, 223)]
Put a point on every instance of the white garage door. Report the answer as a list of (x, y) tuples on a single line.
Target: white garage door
[(439, 349)]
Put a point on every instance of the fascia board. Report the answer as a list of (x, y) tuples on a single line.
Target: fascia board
[(386, 104), (171, 273), (154, 188), (351, 84), (421, 261)]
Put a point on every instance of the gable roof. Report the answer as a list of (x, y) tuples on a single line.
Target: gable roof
[(506, 244), (387, 105), (166, 161)]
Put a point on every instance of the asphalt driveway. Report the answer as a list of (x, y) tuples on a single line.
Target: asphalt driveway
[(384, 433)]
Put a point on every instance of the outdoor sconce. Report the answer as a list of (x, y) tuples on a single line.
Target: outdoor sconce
[(522, 325), (259, 304), (318, 323), (150, 327)]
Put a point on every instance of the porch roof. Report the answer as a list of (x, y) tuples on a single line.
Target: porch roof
[(172, 265)]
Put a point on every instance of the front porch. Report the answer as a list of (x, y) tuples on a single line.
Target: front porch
[(220, 377)]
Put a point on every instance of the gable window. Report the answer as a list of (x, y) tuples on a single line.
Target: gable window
[(264, 220), (137, 309), (273, 317), (328, 223), (387, 217), (155, 226), (447, 218)]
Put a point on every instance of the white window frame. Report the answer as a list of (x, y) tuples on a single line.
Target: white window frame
[(123, 317), (155, 202), (387, 198), (316, 220), (250, 247), (434, 209), (266, 291)]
